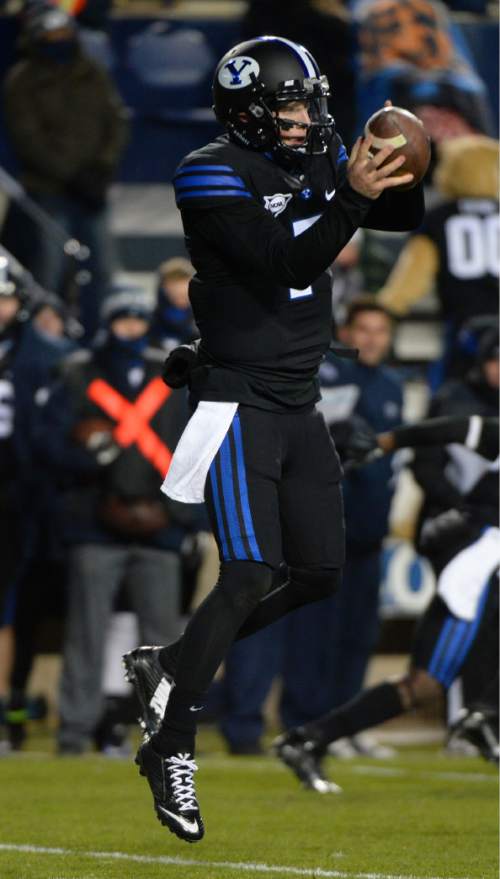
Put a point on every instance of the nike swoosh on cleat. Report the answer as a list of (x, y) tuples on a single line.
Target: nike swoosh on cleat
[(188, 826), (329, 195), (160, 696)]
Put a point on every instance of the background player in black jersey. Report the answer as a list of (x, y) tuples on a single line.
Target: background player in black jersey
[(459, 629), (266, 208), (456, 249)]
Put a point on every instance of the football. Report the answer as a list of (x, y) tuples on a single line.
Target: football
[(394, 125)]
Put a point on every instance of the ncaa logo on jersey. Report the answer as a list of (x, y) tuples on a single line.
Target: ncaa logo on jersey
[(237, 73), (277, 203)]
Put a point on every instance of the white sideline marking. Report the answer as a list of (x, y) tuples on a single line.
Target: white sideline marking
[(280, 869), (424, 773)]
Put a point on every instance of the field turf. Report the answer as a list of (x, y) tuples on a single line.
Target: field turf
[(421, 815)]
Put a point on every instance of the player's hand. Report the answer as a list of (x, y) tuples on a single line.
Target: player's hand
[(365, 172), (361, 446), (386, 441)]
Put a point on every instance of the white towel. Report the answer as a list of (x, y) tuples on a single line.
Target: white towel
[(462, 581), (196, 449)]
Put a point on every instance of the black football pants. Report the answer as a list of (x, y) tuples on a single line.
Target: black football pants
[(272, 494), (273, 491)]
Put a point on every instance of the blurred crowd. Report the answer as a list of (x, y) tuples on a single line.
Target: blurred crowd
[(87, 427)]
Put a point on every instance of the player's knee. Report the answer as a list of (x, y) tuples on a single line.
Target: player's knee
[(313, 584), (243, 584), (418, 688)]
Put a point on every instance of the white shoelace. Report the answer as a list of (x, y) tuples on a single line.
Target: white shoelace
[(181, 769)]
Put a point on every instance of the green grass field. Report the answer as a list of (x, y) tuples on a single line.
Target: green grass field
[(419, 815)]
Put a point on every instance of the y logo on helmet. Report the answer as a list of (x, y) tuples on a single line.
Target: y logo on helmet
[(236, 73), (276, 203)]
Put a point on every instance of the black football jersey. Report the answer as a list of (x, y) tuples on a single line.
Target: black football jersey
[(466, 233), (474, 432), (261, 239)]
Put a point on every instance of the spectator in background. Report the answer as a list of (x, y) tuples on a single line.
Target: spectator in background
[(68, 128), (342, 634), (457, 249), (347, 278), (407, 53), (106, 431), (40, 570), (173, 321), (11, 317)]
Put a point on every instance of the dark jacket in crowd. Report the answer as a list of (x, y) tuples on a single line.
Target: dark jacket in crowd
[(363, 395), (172, 326), (67, 124), (27, 496), (122, 396)]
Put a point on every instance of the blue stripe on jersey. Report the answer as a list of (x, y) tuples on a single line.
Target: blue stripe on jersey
[(230, 500), (203, 193), (218, 512), (195, 169), (342, 156), (209, 180), (242, 479)]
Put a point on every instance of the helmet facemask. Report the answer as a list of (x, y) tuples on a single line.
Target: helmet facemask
[(319, 131), (260, 127)]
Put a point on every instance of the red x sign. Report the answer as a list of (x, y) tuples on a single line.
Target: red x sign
[(133, 418)]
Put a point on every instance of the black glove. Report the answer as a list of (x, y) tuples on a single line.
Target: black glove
[(89, 186), (445, 532), (180, 364), (361, 444)]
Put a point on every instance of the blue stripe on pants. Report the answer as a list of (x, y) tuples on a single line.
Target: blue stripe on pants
[(453, 648), (242, 480), (440, 647), (230, 501), (470, 635)]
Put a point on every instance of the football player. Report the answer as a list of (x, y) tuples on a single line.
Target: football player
[(266, 208), (459, 629)]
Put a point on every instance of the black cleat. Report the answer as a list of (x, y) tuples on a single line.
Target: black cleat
[(480, 728), (172, 785), (303, 756), (152, 685)]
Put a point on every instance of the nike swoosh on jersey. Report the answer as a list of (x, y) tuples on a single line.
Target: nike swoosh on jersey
[(195, 708), (188, 826), (329, 195)]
